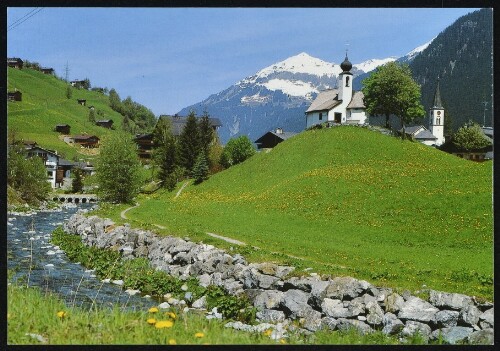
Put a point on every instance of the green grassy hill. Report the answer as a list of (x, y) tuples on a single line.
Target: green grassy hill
[(44, 104), (348, 201)]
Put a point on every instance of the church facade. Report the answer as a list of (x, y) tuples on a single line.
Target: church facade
[(341, 105)]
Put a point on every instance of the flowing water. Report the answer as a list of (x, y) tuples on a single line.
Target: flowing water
[(34, 261)]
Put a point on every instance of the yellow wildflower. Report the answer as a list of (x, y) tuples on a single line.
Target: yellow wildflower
[(8, 315), (268, 332), (171, 315), (164, 324), (153, 310), (282, 341), (151, 321), (61, 314), (199, 335), (172, 342)]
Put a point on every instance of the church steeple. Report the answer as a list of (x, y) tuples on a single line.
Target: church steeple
[(437, 97)]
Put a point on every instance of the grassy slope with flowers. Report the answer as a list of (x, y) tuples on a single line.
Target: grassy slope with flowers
[(348, 201)]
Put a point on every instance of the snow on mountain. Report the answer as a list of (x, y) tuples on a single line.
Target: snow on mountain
[(411, 55), (370, 65), (290, 87)]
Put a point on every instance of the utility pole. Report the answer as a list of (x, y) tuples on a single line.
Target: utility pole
[(484, 113), (66, 77)]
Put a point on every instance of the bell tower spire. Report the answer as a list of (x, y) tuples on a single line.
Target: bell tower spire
[(436, 116)]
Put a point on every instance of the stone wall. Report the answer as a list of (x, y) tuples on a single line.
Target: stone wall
[(336, 304)]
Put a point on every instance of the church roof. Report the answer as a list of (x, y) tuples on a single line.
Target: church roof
[(419, 132), (437, 97), (412, 129), (425, 134), (357, 100), (325, 100)]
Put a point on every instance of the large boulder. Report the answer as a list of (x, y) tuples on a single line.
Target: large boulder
[(469, 316), (318, 293), (268, 299), (344, 324), (294, 303), (346, 288), (447, 318), (452, 335), (393, 303), (392, 325), (375, 314), (302, 283), (482, 337), (418, 310), (335, 308), (412, 327), (486, 319), (449, 301), (270, 316)]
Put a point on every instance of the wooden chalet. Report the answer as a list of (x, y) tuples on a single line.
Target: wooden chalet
[(144, 145), (63, 128), (77, 83), (15, 62), (88, 141), (47, 70), (82, 102), (14, 96), (477, 155), (106, 123), (273, 138)]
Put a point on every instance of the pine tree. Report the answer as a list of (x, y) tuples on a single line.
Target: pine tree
[(92, 116), (77, 184), (165, 152), (114, 101), (200, 169), (189, 145), (206, 133)]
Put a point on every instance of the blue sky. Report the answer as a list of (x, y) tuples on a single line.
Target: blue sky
[(169, 58)]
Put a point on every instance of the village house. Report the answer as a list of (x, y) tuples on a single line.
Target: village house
[(47, 70), (478, 154), (82, 102), (56, 167), (77, 83), (341, 105), (106, 123), (15, 62), (273, 138), (14, 96), (144, 145), (87, 141), (62, 128), (420, 134)]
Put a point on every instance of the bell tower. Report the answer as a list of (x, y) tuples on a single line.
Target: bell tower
[(345, 81), (436, 117)]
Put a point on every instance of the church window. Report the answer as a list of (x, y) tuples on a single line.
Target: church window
[(320, 116), (346, 81), (438, 120)]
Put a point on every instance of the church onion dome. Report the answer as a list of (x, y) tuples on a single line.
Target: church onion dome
[(346, 65)]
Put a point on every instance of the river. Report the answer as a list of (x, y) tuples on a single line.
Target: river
[(28, 244)]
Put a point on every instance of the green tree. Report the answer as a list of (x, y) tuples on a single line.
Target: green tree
[(86, 84), (214, 156), (391, 90), (470, 137), (126, 125), (165, 153), (236, 151), (114, 101), (206, 133), (189, 144), (27, 176), (69, 92), (118, 169), (200, 169), (92, 116), (77, 183)]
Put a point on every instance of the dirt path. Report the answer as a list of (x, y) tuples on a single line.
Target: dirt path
[(122, 214), (182, 188), (229, 240)]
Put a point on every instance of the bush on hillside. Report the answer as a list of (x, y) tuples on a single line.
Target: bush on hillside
[(236, 151)]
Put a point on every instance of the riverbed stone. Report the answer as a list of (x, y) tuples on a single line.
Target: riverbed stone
[(449, 301), (418, 310), (482, 337), (452, 335)]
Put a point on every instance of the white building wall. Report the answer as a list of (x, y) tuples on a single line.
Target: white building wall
[(436, 125), (357, 116), (313, 118)]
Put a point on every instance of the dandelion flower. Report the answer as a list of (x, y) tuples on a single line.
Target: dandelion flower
[(199, 335), (268, 332), (151, 321), (153, 310), (61, 314), (282, 341), (172, 342), (164, 324), (171, 315)]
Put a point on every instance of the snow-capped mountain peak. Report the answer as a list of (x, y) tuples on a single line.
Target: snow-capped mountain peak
[(418, 50), (370, 65)]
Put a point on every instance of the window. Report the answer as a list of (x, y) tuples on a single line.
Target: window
[(347, 81), (438, 120), (49, 174), (320, 116)]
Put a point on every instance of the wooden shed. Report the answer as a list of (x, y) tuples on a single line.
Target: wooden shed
[(15, 62), (63, 128), (15, 96), (88, 141), (47, 70), (106, 123), (82, 102)]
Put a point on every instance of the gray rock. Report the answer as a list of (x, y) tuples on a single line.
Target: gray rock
[(346, 324), (335, 308), (469, 316), (200, 303), (141, 251), (328, 323), (411, 328), (449, 301), (417, 309), (356, 306), (302, 283), (318, 293), (311, 320), (253, 279), (181, 246), (239, 259), (267, 268), (294, 303), (204, 280), (251, 294), (268, 299), (346, 288), (182, 258), (233, 287), (283, 271), (393, 303), (216, 279), (482, 337), (447, 318), (375, 314), (487, 319), (392, 325), (452, 335), (271, 316)]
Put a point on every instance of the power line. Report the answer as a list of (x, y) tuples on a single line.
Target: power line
[(19, 19), (17, 23)]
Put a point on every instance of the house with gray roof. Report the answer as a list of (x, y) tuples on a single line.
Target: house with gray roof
[(341, 105), (419, 133), (273, 138)]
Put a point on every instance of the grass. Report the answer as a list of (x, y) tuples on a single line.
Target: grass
[(346, 201), (44, 104), (41, 316)]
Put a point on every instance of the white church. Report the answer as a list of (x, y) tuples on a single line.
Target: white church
[(341, 105)]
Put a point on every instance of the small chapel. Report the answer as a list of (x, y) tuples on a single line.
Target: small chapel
[(341, 105)]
